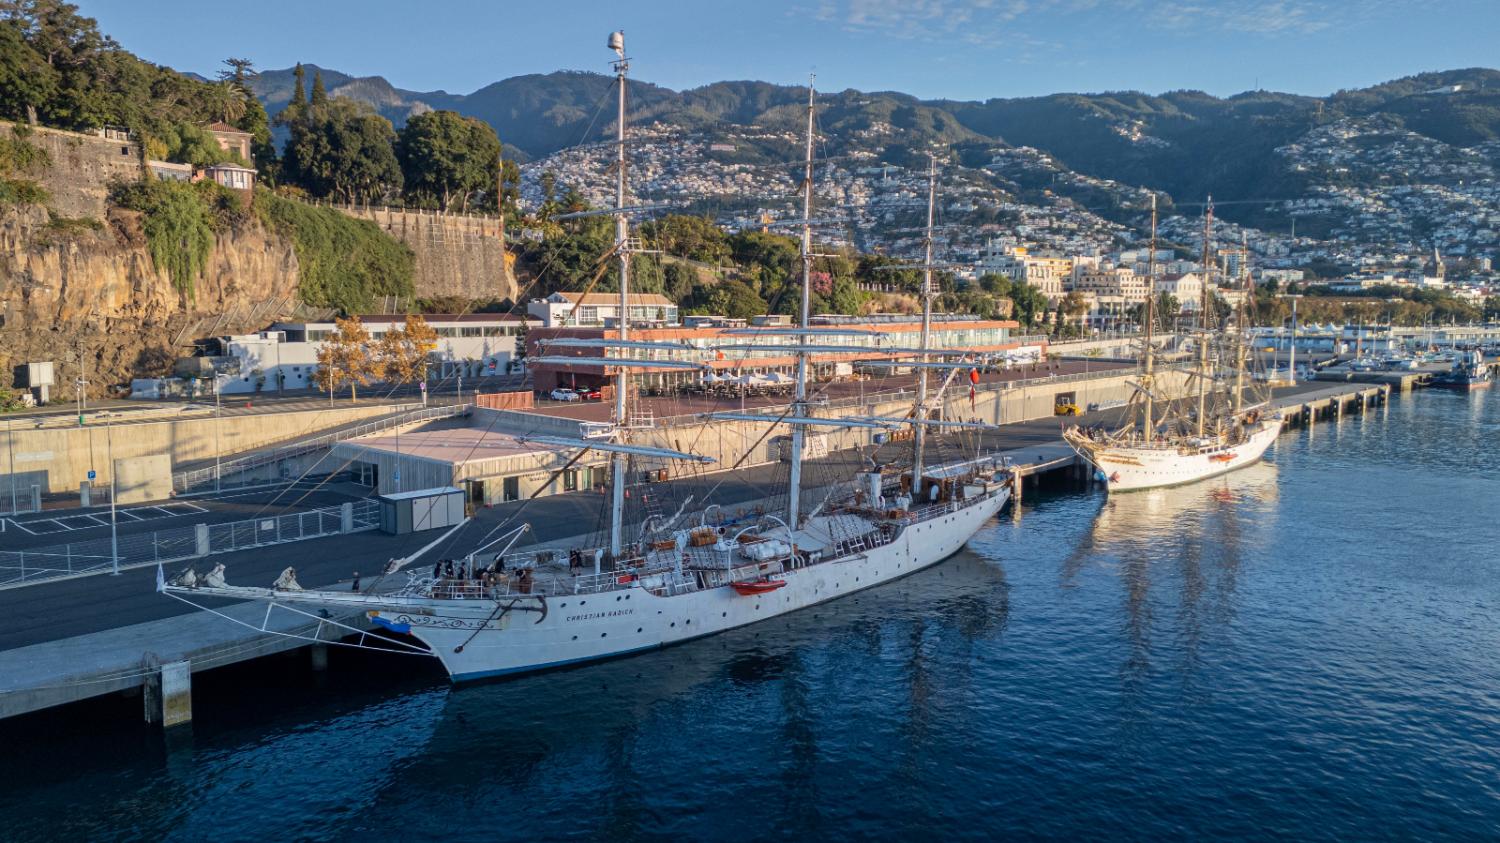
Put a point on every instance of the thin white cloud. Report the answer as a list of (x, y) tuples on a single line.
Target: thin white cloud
[(1036, 22)]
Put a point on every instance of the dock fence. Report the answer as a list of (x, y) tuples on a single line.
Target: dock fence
[(175, 544)]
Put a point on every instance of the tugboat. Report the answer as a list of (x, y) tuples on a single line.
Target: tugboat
[(1469, 372)]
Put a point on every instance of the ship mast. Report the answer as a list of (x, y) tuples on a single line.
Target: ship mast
[(1239, 325), (1206, 300), (794, 494), (919, 435), (622, 375), (1148, 353)]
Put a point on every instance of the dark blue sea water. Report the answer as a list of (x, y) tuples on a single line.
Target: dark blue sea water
[(1309, 648)]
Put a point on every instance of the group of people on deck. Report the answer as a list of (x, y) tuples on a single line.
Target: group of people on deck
[(460, 575)]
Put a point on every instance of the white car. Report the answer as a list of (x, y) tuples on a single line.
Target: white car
[(565, 395)]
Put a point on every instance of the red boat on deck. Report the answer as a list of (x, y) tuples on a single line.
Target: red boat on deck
[(758, 586)]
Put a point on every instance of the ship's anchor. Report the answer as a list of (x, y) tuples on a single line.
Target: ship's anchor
[(501, 611)]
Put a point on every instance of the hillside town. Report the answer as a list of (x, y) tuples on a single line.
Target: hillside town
[(1435, 226)]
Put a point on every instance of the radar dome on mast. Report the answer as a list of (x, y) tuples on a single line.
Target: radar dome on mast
[(617, 43)]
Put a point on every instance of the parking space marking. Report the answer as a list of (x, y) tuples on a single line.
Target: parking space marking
[(18, 525), (93, 520)]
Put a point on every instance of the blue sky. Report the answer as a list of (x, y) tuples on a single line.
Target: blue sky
[(960, 49)]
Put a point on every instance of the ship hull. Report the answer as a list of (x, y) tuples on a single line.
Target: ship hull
[(1128, 469), (473, 644)]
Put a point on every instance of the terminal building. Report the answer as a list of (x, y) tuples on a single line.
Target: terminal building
[(285, 356), (726, 350)]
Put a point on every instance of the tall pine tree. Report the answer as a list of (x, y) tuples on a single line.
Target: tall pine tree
[(319, 93), (299, 93)]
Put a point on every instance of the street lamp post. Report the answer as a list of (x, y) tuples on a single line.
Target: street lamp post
[(218, 421), (1292, 357), (10, 449), (114, 537)]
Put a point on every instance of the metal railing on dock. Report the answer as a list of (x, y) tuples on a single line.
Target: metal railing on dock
[(24, 567)]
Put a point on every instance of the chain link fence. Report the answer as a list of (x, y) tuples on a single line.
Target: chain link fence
[(23, 567)]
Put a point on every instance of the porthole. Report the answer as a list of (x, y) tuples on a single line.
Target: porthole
[(604, 635), (575, 638), (637, 629), (723, 614)]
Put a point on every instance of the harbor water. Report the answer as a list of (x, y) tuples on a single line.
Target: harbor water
[(1306, 648)]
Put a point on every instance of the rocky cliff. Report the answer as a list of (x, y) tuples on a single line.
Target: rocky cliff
[(71, 290)]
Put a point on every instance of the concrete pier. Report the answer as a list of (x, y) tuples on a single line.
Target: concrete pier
[(73, 639)]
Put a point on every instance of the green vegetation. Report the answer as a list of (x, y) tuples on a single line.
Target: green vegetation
[(345, 262), (692, 237), (57, 69), (1028, 304), (72, 225), (186, 143), (179, 221), (448, 161), (341, 149), (1381, 305), (18, 157)]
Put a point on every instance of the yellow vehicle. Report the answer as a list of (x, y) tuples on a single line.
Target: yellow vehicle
[(1066, 408)]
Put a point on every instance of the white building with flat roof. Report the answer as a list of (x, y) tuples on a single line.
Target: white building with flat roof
[(595, 310), (285, 357)]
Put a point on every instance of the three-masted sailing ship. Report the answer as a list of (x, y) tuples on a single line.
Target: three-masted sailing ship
[(1215, 427), (655, 585)]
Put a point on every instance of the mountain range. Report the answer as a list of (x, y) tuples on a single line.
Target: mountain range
[(1187, 143)]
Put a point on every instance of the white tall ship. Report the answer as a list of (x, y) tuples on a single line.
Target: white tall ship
[(660, 584), (1210, 430)]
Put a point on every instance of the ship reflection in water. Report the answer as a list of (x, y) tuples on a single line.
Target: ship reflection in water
[(1178, 551)]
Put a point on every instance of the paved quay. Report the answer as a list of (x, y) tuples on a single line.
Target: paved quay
[(81, 637)]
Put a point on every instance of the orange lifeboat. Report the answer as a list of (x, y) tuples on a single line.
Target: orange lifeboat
[(1223, 457), (750, 587)]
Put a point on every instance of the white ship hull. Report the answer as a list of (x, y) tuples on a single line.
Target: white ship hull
[(1127, 468), (581, 628)]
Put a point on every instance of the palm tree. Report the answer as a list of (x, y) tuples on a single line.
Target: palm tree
[(225, 101)]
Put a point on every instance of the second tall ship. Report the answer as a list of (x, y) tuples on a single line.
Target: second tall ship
[(1217, 425)]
